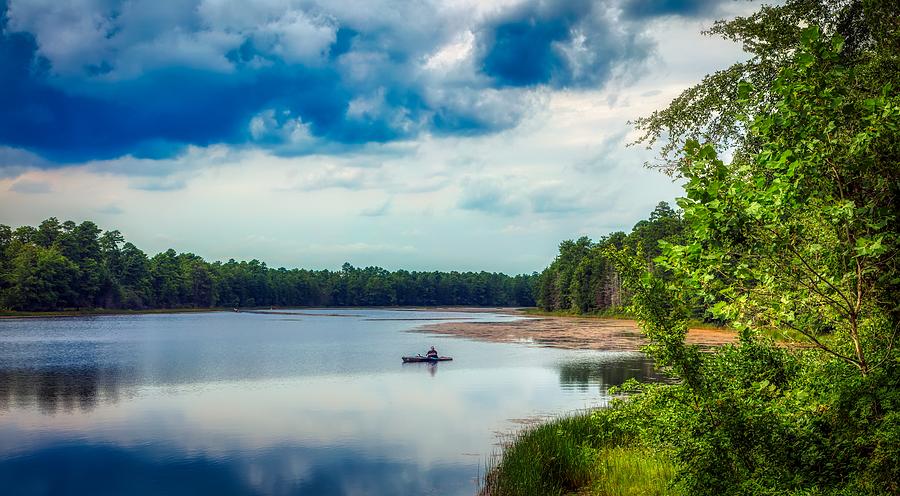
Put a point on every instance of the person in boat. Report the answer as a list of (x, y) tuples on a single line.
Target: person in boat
[(432, 353)]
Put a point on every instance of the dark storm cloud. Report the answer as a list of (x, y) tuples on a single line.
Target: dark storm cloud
[(522, 49), (638, 9), (558, 43), (83, 80)]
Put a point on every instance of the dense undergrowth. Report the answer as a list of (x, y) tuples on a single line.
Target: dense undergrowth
[(771, 421), (798, 230)]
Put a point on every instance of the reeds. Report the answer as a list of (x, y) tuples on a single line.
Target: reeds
[(573, 455)]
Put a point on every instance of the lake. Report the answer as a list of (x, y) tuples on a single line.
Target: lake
[(288, 402)]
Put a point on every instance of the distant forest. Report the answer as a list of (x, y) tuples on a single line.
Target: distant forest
[(64, 265)]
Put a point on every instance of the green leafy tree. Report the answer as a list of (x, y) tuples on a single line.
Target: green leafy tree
[(804, 235), (40, 279), (80, 244), (713, 110), (48, 232), (801, 234), (167, 280), (133, 277), (583, 280)]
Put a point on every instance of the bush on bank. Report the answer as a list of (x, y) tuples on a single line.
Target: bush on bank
[(771, 421)]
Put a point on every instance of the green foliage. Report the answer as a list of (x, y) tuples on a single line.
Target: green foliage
[(803, 235), (573, 453), (39, 277), (714, 110), (66, 265), (583, 280), (800, 233)]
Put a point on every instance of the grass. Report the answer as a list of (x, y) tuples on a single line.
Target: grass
[(785, 335), (605, 314), (632, 471), (701, 324), (572, 455)]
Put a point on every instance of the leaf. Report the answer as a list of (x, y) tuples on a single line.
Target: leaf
[(806, 60), (744, 90), (809, 35), (837, 43)]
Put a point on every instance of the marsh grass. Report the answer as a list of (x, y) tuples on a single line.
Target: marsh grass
[(789, 336), (632, 471), (572, 455), (610, 313)]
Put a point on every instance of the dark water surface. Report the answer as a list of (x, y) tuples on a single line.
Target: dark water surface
[(313, 402)]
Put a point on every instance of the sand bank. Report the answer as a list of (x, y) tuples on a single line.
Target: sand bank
[(569, 333)]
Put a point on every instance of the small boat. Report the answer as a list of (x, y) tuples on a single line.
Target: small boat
[(420, 358)]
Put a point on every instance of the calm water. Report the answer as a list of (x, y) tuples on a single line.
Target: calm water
[(300, 403)]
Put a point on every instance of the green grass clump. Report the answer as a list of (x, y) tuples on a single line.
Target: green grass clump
[(575, 455), (632, 471), (786, 336), (610, 313)]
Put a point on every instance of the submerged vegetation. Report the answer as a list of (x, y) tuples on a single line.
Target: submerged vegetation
[(797, 231), (64, 265)]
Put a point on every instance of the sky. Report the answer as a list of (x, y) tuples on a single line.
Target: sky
[(425, 135)]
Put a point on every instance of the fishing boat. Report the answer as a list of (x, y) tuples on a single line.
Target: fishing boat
[(420, 358)]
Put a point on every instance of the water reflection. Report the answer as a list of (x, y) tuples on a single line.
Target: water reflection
[(431, 367), (255, 404), (101, 469), (62, 389), (603, 374)]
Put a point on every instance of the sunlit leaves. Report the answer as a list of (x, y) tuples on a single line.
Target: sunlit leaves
[(795, 234)]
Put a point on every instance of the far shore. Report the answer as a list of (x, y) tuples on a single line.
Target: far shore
[(554, 331), (11, 314), (569, 332)]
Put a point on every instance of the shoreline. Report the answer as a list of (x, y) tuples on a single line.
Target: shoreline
[(551, 331), (571, 333), (12, 314), (60, 314)]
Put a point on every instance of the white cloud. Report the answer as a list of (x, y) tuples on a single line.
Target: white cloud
[(496, 202), (452, 55), (70, 34), (297, 38), (333, 176)]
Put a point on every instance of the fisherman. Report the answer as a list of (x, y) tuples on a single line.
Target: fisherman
[(432, 353)]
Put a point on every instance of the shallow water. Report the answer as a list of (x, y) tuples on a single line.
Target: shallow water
[(295, 402)]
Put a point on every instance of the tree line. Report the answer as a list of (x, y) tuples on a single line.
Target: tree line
[(583, 279), (64, 265)]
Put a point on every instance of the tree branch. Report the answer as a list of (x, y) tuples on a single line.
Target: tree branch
[(822, 346), (890, 347)]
